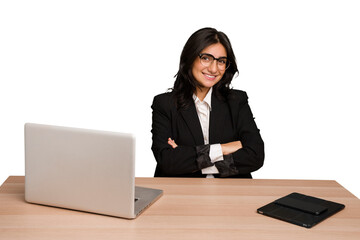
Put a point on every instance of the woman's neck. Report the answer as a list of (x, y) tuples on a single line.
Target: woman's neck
[(201, 92)]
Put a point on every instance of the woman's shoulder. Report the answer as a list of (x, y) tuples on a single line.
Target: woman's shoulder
[(237, 96), (164, 100), (164, 97)]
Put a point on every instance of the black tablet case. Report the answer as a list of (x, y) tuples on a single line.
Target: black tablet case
[(302, 210)]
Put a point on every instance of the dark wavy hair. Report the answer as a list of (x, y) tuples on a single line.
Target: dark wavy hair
[(185, 83)]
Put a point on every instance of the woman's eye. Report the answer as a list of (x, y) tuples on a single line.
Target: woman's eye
[(222, 61), (205, 58)]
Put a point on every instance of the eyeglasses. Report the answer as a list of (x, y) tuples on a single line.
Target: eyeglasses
[(207, 59)]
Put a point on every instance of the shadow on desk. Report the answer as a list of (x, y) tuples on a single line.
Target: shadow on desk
[(189, 209)]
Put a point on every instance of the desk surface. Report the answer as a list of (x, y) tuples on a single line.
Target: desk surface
[(189, 209)]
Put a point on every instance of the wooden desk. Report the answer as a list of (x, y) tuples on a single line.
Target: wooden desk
[(189, 209)]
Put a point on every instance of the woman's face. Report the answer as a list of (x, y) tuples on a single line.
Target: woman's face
[(209, 76)]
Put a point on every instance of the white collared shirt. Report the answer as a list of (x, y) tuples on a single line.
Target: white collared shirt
[(203, 109)]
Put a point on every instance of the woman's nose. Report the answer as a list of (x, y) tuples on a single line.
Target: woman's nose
[(213, 66)]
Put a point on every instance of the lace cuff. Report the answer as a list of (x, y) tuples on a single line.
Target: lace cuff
[(226, 167), (203, 159)]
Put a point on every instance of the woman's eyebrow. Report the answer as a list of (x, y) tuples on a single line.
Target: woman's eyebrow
[(213, 55)]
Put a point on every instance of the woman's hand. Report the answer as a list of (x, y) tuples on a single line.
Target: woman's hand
[(227, 148), (231, 147), (172, 143)]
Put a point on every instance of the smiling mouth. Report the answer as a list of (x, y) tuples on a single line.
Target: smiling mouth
[(209, 77)]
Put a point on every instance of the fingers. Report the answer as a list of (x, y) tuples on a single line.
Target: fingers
[(172, 143)]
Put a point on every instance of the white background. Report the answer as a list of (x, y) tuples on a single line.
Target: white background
[(98, 64)]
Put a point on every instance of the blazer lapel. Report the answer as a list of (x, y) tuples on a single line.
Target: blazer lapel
[(192, 121), (217, 119)]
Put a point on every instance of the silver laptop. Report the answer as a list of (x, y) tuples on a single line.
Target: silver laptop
[(86, 170)]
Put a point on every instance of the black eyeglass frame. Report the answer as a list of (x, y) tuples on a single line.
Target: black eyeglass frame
[(217, 59)]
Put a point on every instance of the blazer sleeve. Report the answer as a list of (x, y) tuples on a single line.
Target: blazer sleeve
[(171, 162), (251, 157)]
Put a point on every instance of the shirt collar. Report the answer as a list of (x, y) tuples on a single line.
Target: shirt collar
[(206, 100)]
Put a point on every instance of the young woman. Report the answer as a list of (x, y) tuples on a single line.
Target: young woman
[(203, 128)]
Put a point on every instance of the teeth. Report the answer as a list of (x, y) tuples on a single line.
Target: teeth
[(210, 76)]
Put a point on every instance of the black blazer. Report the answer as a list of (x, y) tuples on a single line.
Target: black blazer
[(230, 120)]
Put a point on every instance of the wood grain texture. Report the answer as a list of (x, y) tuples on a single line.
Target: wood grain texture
[(189, 209)]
